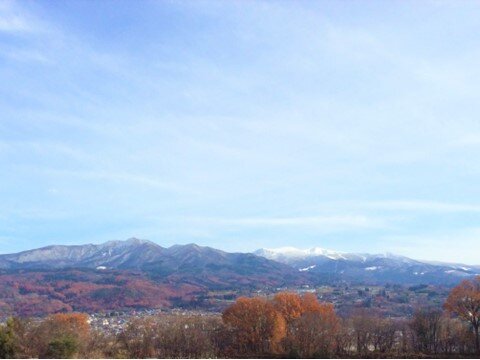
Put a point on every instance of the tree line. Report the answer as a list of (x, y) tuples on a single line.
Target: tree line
[(287, 325)]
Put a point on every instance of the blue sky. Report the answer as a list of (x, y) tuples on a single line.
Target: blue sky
[(243, 124)]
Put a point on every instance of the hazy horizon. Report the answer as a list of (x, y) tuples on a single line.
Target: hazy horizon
[(350, 126)]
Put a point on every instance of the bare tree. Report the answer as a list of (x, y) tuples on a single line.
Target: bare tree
[(464, 301), (425, 327)]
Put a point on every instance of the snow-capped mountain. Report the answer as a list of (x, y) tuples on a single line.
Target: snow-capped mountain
[(212, 267), (180, 264), (330, 266), (286, 254), (292, 255), (131, 253)]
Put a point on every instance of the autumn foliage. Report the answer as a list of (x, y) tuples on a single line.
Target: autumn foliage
[(285, 325), (257, 326), (289, 305), (74, 323), (38, 293), (263, 326), (464, 301)]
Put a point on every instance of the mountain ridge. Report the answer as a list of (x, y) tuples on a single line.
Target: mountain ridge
[(140, 274), (191, 263), (370, 268), (188, 263), (293, 252)]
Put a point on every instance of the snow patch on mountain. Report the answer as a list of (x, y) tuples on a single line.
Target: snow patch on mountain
[(294, 253), (308, 268)]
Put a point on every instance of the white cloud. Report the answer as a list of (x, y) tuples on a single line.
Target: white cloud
[(12, 22), (458, 246), (471, 139), (419, 205), (279, 108), (14, 18), (120, 177), (327, 222), (37, 213)]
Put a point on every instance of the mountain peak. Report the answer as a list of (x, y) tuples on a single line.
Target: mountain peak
[(133, 241), (295, 253), (191, 262)]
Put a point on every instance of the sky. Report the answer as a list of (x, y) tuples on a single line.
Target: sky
[(347, 125)]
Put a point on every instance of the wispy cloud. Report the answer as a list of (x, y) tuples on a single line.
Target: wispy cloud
[(47, 148), (422, 206), (267, 120), (12, 20), (119, 177), (450, 246), (471, 139), (326, 222), (34, 214)]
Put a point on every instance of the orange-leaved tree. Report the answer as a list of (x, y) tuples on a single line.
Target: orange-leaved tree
[(310, 303), (63, 335), (314, 332), (289, 305), (75, 323), (464, 301), (258, 328)]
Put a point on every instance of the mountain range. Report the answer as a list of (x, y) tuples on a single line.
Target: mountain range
[(131, 274), (277, 267), (142, 274), (332, 266), (186, 263)]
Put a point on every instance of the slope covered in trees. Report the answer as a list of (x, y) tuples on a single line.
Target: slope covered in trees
[(37, 293), (286, 325)]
